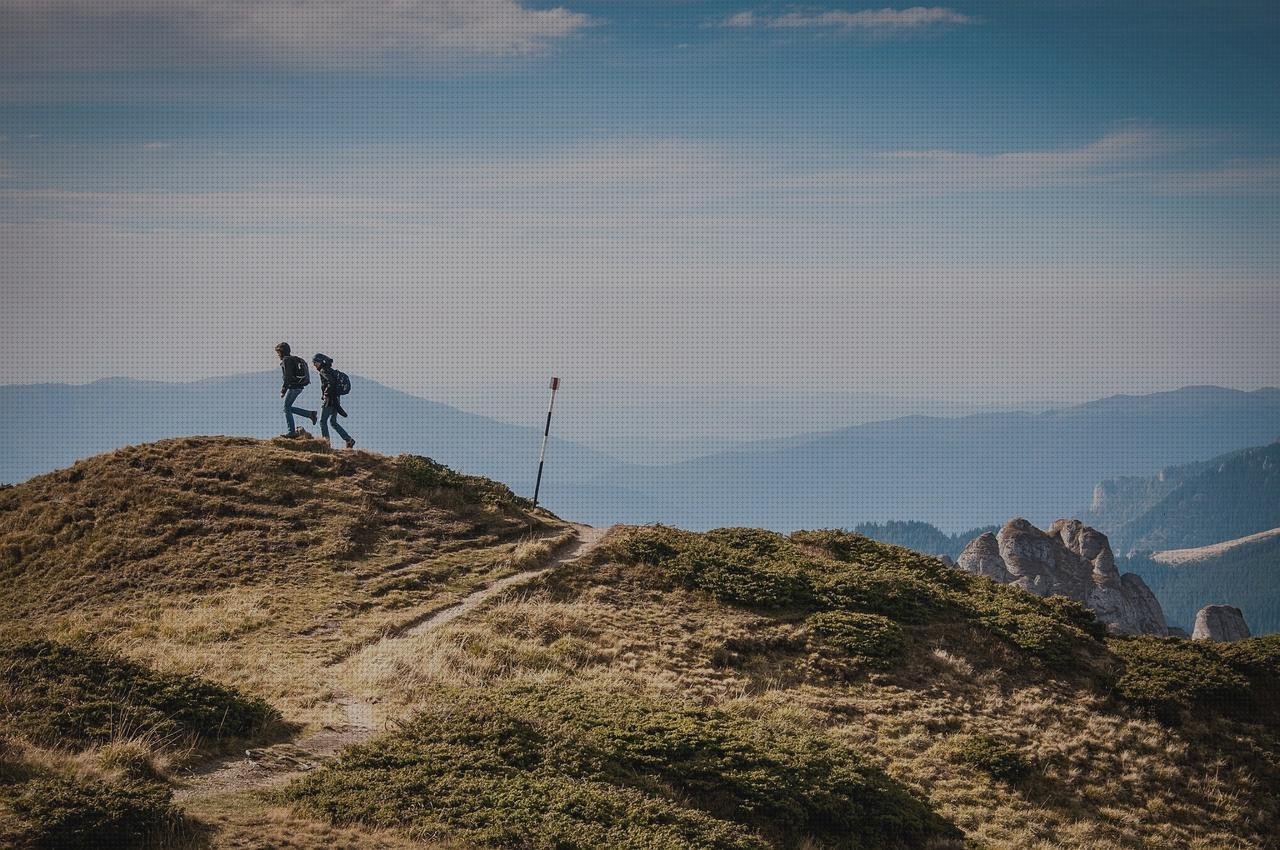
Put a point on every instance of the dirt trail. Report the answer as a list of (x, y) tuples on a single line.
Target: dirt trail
[(275, 765)]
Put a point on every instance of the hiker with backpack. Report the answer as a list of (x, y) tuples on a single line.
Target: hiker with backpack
[(296, 379), (333, 386)]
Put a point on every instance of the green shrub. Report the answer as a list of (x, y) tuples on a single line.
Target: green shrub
[(422, 474), (994, 757), (55, 812), (565, 765), (892, 593), (59, 694), (1258, 660), (848, 547), (1074, 613), (1042, 629), (831, 570), (755, 542), (1167, 677), (1258, 656), (652, 545), (879, 578), (1036, 634), (869, 639), (741, 565), (734, 576)]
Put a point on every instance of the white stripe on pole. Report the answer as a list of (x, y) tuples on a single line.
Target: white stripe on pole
[(546, 432)]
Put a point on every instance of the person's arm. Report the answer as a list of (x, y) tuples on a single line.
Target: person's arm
[(284, 373)]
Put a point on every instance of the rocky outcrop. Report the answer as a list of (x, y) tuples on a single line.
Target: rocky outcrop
[(1220, 623), (1146, 612), (1070, 559), (982, 556)]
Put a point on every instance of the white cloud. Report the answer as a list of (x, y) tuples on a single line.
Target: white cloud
[(321, 33), (742, 20), (868, 20), (632, 186), (1131, 155)]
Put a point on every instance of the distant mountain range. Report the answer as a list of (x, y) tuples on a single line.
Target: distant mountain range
[(958, 473), (1195, 504)]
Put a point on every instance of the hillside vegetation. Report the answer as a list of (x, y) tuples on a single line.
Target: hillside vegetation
[(921, 536), (1005, 716), (84, 736), (1244, 573), (729, 689), (593, 763)]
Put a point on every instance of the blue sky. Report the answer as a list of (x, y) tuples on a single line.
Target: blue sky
[(1011, 76), (1005, 200)]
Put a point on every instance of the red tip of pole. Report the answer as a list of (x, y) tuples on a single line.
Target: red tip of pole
[(555, 383)]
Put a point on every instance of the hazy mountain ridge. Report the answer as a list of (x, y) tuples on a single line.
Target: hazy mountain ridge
[(1191, 505), (956, 473)]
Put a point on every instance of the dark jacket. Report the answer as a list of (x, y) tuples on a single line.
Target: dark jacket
[(288, 368), (328, 392)]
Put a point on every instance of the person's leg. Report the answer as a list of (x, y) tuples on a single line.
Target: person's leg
[(325, 415), (342, 431), (300, 411), (289, 396)]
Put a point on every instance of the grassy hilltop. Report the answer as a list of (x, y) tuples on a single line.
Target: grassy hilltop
[(254, 562), (734, 689)]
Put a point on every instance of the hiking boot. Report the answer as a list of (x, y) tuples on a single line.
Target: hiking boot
[(314, 417), (351, 444)]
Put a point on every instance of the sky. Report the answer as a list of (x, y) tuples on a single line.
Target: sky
[(725, 219)]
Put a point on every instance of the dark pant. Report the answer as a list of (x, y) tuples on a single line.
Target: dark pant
[(290, 397), (330, 416)]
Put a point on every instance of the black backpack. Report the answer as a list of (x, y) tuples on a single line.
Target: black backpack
[(301, 374), (341, 383)]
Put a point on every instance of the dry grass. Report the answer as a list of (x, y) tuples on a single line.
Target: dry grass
[(1103, 779), (247, 822), (281, 567), (257, 564)]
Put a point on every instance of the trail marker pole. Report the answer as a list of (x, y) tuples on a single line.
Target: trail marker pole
[(546, 432)]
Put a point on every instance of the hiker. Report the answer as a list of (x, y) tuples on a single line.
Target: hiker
[(296, 378), (333, 386)]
